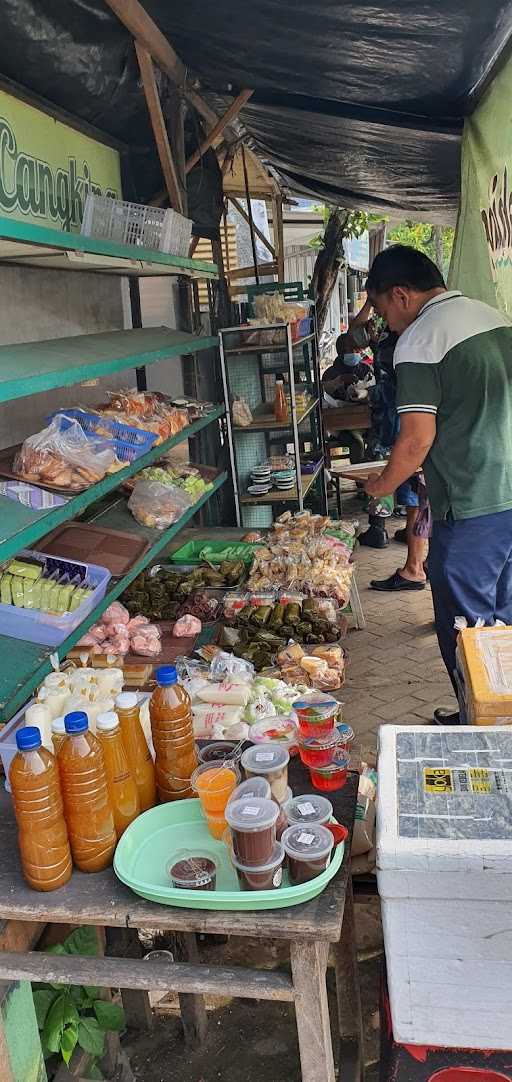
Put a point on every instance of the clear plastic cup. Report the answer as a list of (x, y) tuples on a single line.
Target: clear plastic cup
[(193, 871), (214, 784), (268, 876), (319, 751), (219, 751), (271, 762), (329, 778), (317, 713), (282, 730), (217, 826), (258, 787), (346, 734), (309, 808), (308, 849), (253, 828)]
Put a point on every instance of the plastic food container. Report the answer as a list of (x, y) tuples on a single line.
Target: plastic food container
[(253, 787), (253, 829), (193, 872), (308, 809), (271, 762), (317, 713), (267, 876), (282, 730), (32, 625), (214, 784), (263, 597), (318, 751), (329, 778), (346, 737), (308, 849), (282, 821), (220, 751)]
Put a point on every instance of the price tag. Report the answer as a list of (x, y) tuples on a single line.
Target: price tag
[(306, 809), (250, 810), (306, 839)]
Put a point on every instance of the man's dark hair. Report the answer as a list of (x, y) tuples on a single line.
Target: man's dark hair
[(401, 265)]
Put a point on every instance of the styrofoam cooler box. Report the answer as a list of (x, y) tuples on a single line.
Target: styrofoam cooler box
[(444, 870)]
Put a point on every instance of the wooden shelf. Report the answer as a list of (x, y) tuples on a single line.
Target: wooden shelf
[(37, 246), (22, 527), (268, 349), (290, 496), (31, 367), (264, 421), (25, 664)]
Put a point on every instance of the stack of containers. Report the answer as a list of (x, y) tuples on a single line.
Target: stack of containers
[(324, 745), (173, 736), (214, 784)]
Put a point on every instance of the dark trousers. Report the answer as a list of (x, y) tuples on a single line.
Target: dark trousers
[(470, 571)]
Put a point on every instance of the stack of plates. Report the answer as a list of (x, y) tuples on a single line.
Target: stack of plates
[(261, 481), (284, 480)]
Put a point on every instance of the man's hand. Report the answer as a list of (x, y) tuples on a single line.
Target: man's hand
[(416, 436)]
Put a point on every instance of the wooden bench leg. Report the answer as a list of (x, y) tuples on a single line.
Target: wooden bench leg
[(193, 1011), (348, 991), (309, 969), (124, 943)]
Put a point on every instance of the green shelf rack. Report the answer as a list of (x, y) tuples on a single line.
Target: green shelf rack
[(21, 527), (25, 664), (31, 367)]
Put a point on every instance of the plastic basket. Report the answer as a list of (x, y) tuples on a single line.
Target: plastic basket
[(130, 443), (136, 224), (300, 328), (32, 625)]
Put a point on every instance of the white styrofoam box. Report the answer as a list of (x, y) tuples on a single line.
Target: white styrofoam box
[(444, 869)]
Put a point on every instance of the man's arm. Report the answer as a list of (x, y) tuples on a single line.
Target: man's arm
[(416, 436)]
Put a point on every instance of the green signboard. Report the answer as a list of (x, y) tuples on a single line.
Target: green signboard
[(47, 167), (482, 257)]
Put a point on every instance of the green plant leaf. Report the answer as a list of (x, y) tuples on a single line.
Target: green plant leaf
[(110, 1015), (56, 949), (91, 992), (62, 1013), (91, 1037), (94, 1073), (43, 999), (82, 941), (68, 1042)]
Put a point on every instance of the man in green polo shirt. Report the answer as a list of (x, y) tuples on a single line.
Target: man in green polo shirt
[(453, 364)]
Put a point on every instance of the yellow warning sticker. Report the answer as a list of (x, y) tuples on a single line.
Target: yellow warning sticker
[(437, 780), (482, 780)]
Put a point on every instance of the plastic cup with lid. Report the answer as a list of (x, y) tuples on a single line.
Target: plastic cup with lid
[(282, 730), (193, 870), (317, 713), (214, 783), (253, 829), (269, 761), (329, 778), (308, 848), (219, 751), (318, 751), (268, 876), (308, 808), (252, 787)]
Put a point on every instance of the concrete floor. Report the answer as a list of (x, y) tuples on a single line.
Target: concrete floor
[(395, 674)]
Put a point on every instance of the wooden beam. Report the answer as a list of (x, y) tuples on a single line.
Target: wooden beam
[(193, 245), (175, 124), (264, 269), (251, 221), (158, 124), (144, 30), (241, 210), (201, 106), (222, 123), (277, 216)]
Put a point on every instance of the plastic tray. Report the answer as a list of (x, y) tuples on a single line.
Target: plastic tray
[(118, 550), (130, 443), (41, 627), (193, 552), (148, 845), (182, 569), (7, 456)]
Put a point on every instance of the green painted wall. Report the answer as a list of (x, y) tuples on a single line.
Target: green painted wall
[(22, 1035)]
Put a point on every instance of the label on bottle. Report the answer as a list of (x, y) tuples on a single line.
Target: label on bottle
[(306, 808), (306, 839)]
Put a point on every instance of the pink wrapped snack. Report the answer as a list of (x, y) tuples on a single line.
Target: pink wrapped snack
[(116, 614), (98, 632), (138, 621), (146, 645), (119, 644), (87, 640), (187, 625)]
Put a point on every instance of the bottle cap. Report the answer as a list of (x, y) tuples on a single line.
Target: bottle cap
[(127, 700), (76, 722), (166, 675), (27, 738), (58, 726), (107, 721)]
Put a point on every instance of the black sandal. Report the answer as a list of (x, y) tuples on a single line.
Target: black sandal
[(396, 582)]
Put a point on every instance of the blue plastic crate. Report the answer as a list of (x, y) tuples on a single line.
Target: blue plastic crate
[(45, 628), (130, 443)]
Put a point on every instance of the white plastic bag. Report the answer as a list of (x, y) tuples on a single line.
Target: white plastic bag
[(157, 505)]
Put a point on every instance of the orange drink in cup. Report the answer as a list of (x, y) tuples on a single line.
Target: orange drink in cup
[(214, 785)]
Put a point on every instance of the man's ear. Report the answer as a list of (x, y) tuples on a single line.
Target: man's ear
[(402, 296)]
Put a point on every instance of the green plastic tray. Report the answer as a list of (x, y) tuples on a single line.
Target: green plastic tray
[(148, 845), (195, 552)]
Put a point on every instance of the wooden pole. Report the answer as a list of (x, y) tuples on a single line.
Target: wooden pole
[(279, 237), (251, 222), (222, 123), (146, 32), (175, 117), (158, 124), (226, 239), (258, 232)]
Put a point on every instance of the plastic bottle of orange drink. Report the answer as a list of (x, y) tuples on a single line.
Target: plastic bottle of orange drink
[(137, 751), (173, 736), (87, 807), (42, 833), (122, 789)]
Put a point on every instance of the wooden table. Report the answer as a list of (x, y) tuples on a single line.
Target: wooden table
[(103, 901), (349, 417)]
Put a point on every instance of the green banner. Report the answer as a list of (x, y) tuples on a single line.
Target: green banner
[(47, 167), (482, 256)]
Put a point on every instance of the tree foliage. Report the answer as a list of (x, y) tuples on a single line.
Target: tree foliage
[(422, 236)]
